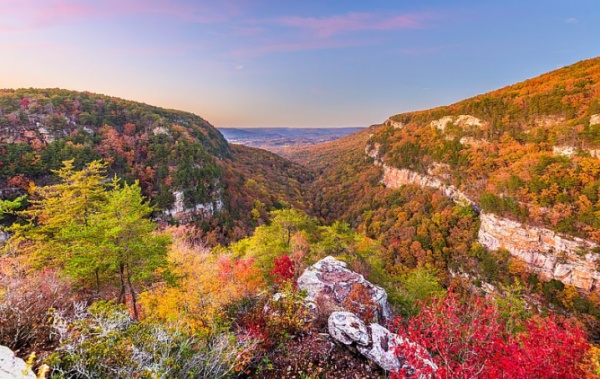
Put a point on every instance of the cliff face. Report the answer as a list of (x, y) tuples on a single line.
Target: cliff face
[(569, 260), (396, 177), (545, 253)]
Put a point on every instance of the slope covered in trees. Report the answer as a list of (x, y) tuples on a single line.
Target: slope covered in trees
[(528, 151), (183, 164), (507, 151)]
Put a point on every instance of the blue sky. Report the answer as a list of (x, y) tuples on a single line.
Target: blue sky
[(291, 63)]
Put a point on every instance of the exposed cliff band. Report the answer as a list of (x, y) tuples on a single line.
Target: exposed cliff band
[(568, 259)]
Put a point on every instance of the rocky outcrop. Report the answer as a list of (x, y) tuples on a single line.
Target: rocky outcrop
[(180, 212), (570, 260), (397, 177), (595, 119), (442, 122), (375, 342), (548, 120), (464, 121), (347, 328), (564, 151), (330, 281), (12, 367), (394, 124)]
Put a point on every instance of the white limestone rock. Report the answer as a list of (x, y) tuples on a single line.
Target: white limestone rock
[(347, 328), (330, 280), (12, 367)]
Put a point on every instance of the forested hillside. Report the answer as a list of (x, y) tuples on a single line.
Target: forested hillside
[(183, 164), (528, 151)]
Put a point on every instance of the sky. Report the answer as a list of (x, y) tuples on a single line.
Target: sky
[(291, 63)]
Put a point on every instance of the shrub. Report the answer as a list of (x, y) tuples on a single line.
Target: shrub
[(105, 342), (26, 301), (469, 339)]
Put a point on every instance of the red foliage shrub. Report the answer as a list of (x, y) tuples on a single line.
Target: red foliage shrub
[(20, 181), (469, 340), (283, 270)]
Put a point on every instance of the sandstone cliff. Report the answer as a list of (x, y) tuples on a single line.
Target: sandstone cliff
[(573, 261)]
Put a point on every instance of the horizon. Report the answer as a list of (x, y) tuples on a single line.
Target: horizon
[(292, 127), (267, 64)]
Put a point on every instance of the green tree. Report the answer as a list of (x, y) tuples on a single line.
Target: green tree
[(58, 214), (126, 240), (274, 240), (91, 232)]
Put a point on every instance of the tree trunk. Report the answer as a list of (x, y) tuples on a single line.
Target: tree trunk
[(122, 275), (133, 298), (97, 282)]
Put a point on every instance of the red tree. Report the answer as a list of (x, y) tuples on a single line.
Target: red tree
[(469, 340), (283, 270)]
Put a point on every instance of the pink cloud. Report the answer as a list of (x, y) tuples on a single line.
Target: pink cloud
[(23, 15), (329, 26)]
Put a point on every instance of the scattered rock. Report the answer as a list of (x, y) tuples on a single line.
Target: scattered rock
[(347, 328), (329, 280), (595, 119), (375, 342), (12, 367), (382, 348)]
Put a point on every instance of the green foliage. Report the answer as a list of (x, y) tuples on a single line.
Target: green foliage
[(417, 286), (8, 206), (93, 233), (274, 240), (512, 308)]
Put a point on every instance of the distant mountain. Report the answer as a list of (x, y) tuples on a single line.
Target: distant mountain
[(279, 139)]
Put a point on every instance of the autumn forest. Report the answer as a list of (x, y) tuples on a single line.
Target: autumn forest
[(135, 242)]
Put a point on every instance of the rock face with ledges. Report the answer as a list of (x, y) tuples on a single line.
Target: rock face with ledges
[(571, 261), (330, 280), (396, 177)]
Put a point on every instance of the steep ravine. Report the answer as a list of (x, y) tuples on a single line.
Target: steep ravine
[(552, 256)]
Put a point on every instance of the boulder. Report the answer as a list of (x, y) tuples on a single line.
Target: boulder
[(375, 342), (382, 348), (347, 328), (12, 367), (330, 280)]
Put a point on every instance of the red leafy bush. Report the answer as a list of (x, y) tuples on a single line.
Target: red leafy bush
[(469, 340), (283, 270)]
